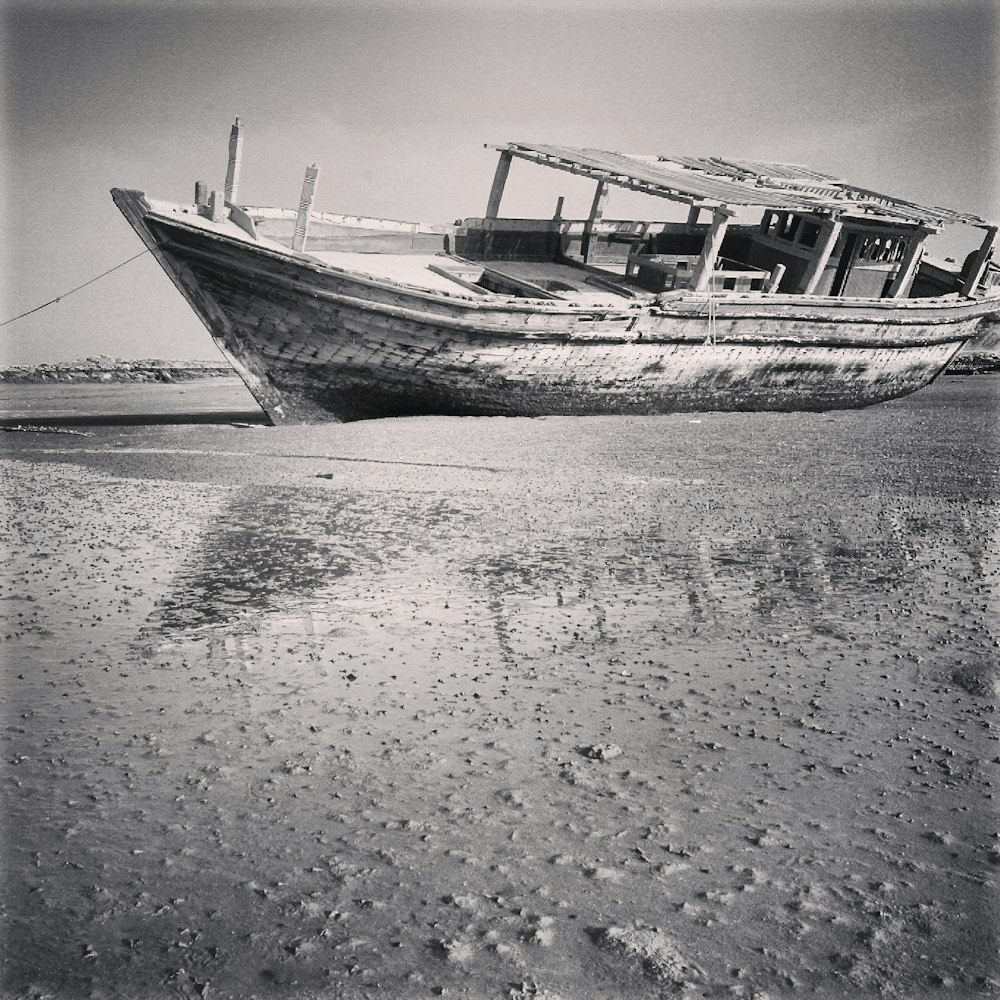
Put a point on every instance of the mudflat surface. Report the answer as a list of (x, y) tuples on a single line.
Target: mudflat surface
[(698, 706)]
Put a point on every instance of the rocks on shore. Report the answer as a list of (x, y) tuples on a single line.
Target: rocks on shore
[(105, 369), (975, 363)]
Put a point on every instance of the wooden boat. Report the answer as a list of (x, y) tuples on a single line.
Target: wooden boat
[(820, 301)]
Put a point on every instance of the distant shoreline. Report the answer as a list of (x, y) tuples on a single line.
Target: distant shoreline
[(105, 369), (975, 363)]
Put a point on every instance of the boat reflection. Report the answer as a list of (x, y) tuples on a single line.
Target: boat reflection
[(281, 555), (266, 548)]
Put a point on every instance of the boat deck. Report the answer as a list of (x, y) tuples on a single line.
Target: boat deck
[(446, 273), (405, 269)]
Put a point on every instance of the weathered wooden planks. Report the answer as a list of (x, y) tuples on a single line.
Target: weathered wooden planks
[(328, 354)]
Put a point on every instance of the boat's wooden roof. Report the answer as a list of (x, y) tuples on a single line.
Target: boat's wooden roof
[(714, 180)]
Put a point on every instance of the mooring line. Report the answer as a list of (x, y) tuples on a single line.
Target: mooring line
[(72, 290)]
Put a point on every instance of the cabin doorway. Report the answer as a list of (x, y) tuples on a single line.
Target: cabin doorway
[(843, 272)]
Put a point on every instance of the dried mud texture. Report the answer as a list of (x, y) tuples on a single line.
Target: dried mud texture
[(594, 708)]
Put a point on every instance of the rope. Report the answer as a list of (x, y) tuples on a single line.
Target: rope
[(72, 290)]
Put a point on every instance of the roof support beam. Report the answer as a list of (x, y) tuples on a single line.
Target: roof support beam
[(979, 262), (596, 211), (499, 182), (908, 266), (702, 275), (830, 230)]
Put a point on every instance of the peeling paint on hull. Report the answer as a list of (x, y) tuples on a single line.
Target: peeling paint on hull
[(315, 343)]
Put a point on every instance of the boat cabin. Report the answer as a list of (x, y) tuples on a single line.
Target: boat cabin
[(751, 228), (817, 235)]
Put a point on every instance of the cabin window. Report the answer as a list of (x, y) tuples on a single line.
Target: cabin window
[(881, 249), (789, 227), (728, 284), (809, 235), (874, 248)]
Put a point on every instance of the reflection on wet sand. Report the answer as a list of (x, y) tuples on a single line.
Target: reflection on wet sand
[(265, 549), (274, 558)]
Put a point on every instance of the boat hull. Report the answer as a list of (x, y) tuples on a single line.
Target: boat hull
[(315, 343)]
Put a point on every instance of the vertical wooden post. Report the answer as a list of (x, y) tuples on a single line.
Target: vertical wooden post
[(555, 242), (821, 255), (979, 262), (596, 211), (235, 158), (776, 275), (499, 181), (305, 206), (765, 221), (693, 213), (217, 206), (702, 275), (200, 193), (908, 265)]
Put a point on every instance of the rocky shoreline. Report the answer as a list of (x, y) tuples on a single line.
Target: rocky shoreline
[(975, 363), (105, 369)]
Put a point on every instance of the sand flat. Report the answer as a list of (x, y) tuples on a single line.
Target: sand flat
[(699, 705)]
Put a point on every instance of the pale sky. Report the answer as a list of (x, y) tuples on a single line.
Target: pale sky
[(395, 101)]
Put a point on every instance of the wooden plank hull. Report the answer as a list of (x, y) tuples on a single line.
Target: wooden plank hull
[(316, 343)]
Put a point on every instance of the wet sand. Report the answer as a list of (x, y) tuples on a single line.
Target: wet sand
[(699, 706), (207, 400)]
